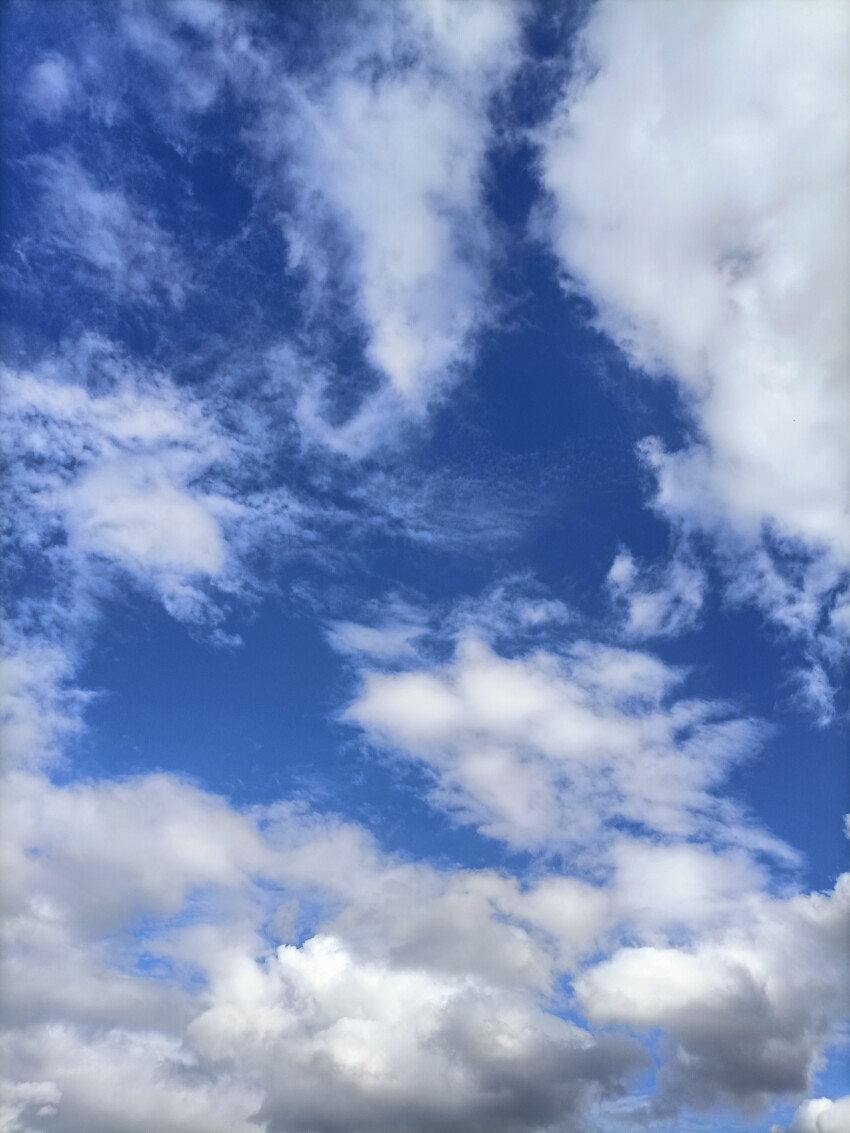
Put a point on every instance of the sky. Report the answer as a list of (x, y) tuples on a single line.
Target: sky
[(427, 566)]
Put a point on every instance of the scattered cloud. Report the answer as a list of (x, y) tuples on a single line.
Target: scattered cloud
[(110, 467), (388, 642), (170, 954), (657, 601), (173, 960), (678, 204), (117, 244), (551, 750)]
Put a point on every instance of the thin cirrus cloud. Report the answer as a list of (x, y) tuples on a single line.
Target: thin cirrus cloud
[(118, 245), (49, 87), (678, 203)]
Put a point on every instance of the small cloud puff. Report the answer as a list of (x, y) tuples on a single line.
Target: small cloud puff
[(657, 601), (49, 87)]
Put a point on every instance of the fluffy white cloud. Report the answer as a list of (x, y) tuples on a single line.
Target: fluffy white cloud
[(746, 1011), (146, 979), (385, 149), (115, 465), (547, 750), (656, 602), (118, 1080), (170, 959), (131, 511), (720, 257), (166, 954), (820, 1115)]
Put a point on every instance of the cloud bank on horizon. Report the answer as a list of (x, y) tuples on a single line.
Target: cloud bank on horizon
[(471, 378)]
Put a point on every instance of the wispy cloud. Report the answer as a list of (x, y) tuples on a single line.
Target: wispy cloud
[(117, 243), (384, 148), (50, 86)]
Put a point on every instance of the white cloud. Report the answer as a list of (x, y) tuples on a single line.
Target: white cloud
[(656, 602), (119, 1081), (39, 709), (172, 960), (389, 642), (118, 243), (820, 1115), (385, 148), (131, 511), (373, 157), (745, 1012), (200, 47), (142, 987), (49, 86), (547, 750), (716, 255)]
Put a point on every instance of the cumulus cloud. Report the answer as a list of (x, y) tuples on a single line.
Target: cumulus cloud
[(820, 1115), (547, 749), (173, 961), (116, 467), (171, 958), (746, 1012), (142, 980), (713, 257)]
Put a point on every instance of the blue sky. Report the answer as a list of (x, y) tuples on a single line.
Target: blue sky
[(428, 566)]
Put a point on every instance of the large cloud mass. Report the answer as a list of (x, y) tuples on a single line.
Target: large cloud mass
[(698, 168)]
